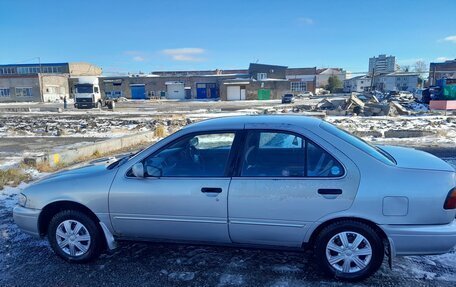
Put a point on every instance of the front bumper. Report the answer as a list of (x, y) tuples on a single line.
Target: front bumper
[(421, 239), (27, 219)]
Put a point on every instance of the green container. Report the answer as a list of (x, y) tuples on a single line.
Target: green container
[(264, 94), (449, 92)]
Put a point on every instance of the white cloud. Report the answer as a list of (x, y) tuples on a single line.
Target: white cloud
[(136, 56), (305, 21), (450, 39), (442, 59), (138, 59), (185, 54)]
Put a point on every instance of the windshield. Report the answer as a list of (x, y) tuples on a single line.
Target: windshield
[(372, 150), (84, 89)]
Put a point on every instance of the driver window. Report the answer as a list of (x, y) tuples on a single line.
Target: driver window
[(203, 155)]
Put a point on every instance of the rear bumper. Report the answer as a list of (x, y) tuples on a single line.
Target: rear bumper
[(421, 239), (27, 219)]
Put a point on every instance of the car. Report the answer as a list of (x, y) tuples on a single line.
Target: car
[(305, 94), (288, 99), (270, 181)]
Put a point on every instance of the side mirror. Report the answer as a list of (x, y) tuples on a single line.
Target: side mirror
[(138, 170)]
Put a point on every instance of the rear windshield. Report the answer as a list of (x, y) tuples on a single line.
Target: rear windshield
[(359, 143)]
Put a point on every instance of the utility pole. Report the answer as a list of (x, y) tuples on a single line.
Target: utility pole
[(372, 80), (40, 80)]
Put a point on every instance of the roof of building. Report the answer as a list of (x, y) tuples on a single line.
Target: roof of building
[(358, 78), (301, 71), (401, 74), (321, 70), (256, 65), (34, 65)]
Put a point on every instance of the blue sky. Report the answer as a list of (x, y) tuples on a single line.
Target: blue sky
[(133, 35)]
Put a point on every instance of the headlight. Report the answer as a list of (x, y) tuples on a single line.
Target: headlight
[(22, 200)]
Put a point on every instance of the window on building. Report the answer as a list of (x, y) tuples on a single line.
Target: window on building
[(7, 71), (262, 76), (4, 92), (298, 86), (23, 92)]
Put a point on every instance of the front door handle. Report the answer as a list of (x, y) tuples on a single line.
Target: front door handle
[(330, 191), (211, 190)]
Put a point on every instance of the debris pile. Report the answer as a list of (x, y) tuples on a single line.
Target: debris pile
[(372, 105), (86, 126)]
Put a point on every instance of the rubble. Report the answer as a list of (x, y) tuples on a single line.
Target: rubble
[(374, 104)]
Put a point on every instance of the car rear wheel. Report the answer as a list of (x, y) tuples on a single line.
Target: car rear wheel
[(74, 236), (349, 250)]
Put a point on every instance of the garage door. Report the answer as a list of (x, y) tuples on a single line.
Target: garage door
[(175, 91), (233, 93), (138, 92)]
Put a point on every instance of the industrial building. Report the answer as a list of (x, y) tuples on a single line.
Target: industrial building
[(442, 70), (259, 82), (41, 82)]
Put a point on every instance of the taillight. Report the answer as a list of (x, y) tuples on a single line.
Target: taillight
[(450, 202)]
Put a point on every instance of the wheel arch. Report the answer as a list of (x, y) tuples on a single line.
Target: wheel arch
[(326, 223), (55, 207)]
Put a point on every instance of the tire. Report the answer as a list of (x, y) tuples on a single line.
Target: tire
[(356, 262), (81, 247)]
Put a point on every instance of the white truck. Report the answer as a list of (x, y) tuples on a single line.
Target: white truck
[(87, 93)]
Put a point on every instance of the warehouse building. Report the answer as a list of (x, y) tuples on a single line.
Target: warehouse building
[(443, 70), (259, 82), (42, 82)]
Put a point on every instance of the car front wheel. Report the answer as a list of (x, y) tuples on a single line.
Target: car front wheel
[(349, 250), (74, 236)]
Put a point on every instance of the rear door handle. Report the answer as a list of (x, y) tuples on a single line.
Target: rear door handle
[(211, 190), (330, 191)]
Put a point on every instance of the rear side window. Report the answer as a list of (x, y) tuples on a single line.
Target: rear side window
[(283, 154), (359, 143)]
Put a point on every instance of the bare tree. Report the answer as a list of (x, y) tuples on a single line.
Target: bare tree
[(404, 68), (421, 68)]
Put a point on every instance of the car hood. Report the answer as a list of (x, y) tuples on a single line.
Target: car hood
[(73, 173), (416, 159)]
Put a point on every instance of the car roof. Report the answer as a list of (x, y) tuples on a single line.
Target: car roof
[(239, 122)]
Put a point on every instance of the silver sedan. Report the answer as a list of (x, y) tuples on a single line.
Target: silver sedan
[(265, 181)]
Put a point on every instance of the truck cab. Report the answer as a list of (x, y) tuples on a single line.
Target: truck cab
[(87, 95)]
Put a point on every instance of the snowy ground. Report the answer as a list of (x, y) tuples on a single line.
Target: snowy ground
[(27, 261)]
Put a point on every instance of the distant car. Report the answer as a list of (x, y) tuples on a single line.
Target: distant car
[(288, 99), (418, 95), (305, 94), (271, 181)]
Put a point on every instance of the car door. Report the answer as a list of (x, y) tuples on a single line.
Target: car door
[(183, 195), (284, 183)]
